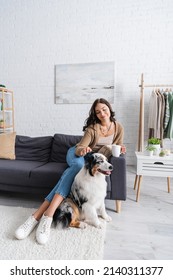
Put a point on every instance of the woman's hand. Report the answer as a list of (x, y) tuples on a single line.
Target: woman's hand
[(123, 149), (86, 150)]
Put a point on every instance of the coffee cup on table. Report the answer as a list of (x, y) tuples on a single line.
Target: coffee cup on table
[(116, 150)]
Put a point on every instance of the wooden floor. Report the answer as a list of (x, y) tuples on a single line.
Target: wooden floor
[(142, 231)]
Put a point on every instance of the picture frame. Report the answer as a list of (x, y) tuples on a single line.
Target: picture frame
[(82, 83)]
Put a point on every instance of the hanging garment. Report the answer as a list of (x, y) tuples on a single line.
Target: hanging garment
[(156, 114), (159, 114), (152, 114), (169, 130), (162, 117), (167, 111)]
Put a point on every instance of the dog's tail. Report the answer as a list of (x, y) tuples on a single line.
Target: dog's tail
[(61, 218)]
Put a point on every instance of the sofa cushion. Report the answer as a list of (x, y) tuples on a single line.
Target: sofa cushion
[(7, 145), (47, 175), (16, 171), (33, 148), (61, 144)]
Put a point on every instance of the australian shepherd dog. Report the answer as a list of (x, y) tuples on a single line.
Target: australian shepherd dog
[(87, 198)]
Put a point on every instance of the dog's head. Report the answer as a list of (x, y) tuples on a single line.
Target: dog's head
[(96, 162)]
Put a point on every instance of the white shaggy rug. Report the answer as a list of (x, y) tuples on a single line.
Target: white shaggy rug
[(68, 244)]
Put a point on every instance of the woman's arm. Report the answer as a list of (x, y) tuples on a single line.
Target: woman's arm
[(85, 145)]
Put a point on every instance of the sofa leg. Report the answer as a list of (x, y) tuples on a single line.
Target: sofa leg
[(118, 206)]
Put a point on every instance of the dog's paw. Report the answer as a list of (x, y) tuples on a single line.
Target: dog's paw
[(108, 218), (98, 225), (94, 223), (83, 225)]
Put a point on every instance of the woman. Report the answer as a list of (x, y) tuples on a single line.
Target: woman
[(101, 130)]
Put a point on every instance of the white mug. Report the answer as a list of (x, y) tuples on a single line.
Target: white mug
[(116, 150)]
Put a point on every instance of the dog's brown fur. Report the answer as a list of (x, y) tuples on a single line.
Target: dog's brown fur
[(94, 170), (75, 214)]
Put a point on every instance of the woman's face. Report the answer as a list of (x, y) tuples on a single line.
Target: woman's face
[(102, 112)]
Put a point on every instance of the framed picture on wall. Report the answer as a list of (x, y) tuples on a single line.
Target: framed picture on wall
[(84, 82)]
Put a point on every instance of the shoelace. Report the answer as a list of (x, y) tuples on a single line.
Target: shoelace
[(45, 227), (27, 224)]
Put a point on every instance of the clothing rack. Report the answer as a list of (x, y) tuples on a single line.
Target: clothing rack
[(141, 111)]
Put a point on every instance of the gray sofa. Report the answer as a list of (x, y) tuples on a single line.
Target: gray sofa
[(40, 161)]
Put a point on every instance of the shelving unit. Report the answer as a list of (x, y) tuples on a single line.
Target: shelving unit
[(6, 110)]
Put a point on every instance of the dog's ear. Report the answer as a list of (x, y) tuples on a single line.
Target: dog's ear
[(88, 156), (88, 159)]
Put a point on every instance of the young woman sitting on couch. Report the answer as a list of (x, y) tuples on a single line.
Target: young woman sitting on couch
[(101, 126)]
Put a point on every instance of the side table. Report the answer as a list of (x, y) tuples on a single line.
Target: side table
[(152, 166)]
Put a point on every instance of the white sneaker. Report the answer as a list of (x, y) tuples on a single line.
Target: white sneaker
[(25, 229), (43, 230)]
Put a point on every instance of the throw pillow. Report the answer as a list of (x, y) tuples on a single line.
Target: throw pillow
[(33, 148), (61, 144), (7, 145)]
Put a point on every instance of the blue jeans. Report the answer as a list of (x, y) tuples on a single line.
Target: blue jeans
[(63, 186)]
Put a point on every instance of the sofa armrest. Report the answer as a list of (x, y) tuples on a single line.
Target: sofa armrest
[(118, 178)]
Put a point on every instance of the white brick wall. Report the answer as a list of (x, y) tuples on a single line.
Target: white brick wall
[(37, 34)]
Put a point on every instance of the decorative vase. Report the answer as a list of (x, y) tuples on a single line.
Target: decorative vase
[(157, 149)]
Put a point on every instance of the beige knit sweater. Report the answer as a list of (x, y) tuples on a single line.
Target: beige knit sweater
[(91, 136)]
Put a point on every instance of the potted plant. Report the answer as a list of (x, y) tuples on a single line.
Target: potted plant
[(156, 143), (162, 154), (150, 149), (1, 123)]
